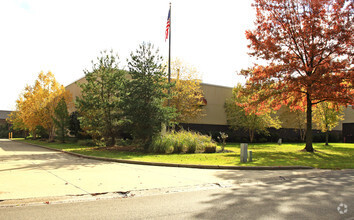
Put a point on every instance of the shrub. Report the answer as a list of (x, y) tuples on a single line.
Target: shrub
[(42, 132), (162, 144), (262, 140), (209, 147), (88, 143), (124, 142), (180, 142), (4, 131), (335, 137)]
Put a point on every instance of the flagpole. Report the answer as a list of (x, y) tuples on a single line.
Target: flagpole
[(169, 65), (169, 52)]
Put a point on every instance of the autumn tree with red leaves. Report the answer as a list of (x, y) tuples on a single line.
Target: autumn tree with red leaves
[(307, 46)]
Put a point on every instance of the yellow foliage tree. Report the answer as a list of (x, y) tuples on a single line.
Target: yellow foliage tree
[(36, 105), (327, 116), (186, 94)]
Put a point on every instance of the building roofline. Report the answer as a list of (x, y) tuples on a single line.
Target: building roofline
[(207, 84), (75, 81)]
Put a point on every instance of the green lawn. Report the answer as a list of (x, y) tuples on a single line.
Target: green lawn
[(335, 156)]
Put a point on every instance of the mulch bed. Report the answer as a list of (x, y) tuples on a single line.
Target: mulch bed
[(121, 148), (140, 149)]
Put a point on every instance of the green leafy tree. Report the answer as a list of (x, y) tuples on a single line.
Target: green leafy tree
[(61, 119), (100, 105), (327, 116), (74, 124), (254, 121), (143, 104), (16, 121)]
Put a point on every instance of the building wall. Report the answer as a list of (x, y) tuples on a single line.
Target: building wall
[(214, 112), (75, 91), (348, 118)]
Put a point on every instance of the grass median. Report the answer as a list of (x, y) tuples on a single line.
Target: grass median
[(334, 156)]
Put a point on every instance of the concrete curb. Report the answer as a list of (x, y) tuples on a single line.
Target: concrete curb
[(174, 164)]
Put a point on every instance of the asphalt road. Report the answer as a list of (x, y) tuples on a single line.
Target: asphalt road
[(297, 198)]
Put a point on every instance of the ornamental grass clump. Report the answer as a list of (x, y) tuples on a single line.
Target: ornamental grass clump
[(181, 142), (162, 144)]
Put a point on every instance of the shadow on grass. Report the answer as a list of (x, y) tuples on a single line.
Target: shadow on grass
[(298, 158)]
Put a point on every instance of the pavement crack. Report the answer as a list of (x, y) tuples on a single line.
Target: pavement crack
[(65, 181)]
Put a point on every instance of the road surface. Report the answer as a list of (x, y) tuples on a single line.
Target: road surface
[(297, 198)]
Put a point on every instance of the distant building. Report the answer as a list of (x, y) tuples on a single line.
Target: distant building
[(3, 116), (214, 119)]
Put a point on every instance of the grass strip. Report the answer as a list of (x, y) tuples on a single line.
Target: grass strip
[(334, 156)]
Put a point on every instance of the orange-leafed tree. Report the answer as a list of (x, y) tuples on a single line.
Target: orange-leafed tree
[(36, 105), (307, 48)]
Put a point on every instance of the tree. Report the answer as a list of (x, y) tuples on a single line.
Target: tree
[(143, 104), (327, 116), (296, 118), (307, 46), (187, 95), (61, 119), (300, 119), (74, 124), (100, 104), (36, 105), (16, 121), (254, 121), (26, 115)]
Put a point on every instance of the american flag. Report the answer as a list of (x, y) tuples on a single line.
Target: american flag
[(168, 24)]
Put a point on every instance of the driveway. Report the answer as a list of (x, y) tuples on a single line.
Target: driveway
[(28, 171)]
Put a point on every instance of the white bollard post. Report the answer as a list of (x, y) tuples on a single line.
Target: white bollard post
[(280, 141), (244, 153)]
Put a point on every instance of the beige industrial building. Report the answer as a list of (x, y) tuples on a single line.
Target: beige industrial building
[(214, 118)]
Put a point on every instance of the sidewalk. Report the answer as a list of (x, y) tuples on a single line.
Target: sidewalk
[(29, 172)]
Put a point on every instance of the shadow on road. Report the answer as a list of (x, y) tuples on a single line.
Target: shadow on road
[(297, 198)]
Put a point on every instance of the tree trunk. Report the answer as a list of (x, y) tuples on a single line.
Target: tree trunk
[(302, 134), (51, 135), (309, 147), (112, 141), (327, 138), (62, 134), (34, 134), (251, 133)]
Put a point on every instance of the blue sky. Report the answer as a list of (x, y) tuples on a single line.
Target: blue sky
[(64, 36)]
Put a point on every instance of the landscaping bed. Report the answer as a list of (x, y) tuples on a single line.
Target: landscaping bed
[(334, 156)]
